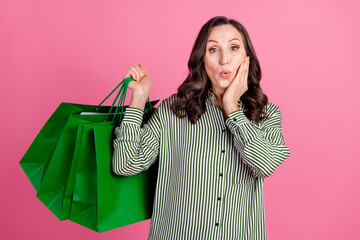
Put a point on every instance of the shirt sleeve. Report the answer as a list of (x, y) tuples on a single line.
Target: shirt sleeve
[(136, 148), (262, 149)]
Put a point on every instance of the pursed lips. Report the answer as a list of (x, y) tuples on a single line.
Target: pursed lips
[(225, 73)]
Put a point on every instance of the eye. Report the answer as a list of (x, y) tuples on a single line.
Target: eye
[(212, 49), (234, 48)]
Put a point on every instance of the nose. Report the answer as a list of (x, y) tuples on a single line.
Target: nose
[(225, 58)]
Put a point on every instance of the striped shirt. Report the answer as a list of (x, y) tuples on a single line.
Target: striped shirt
[(211, 174)]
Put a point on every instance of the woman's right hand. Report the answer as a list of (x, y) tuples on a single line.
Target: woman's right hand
[(142, 84), (140, 87)]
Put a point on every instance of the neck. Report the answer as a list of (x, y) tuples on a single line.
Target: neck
[(218, 94), (218, 100)]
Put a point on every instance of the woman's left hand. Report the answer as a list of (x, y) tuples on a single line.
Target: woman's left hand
[(236, 88)]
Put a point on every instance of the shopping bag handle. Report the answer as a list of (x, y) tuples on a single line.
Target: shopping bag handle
[(121, 102), (122, 93), (110, 95)]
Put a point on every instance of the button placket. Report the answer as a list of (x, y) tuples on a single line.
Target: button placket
[(219, 196)]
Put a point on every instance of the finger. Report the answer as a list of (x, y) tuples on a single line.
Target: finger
[(237, 75), (128, 74), (139, 71), (246, 75), (241, 70), (247, 63), (243, 75), (242, 67), (133, 74), (138, 68), (143, 69), (247, 70)]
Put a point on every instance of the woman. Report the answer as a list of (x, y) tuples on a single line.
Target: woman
[(216, 141)]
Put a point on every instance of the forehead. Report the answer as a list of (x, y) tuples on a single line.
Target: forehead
[(224, 33)]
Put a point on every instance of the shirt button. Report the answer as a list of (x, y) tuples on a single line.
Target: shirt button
[(220, 174), (216, 224), (235, 119), (223, 151), (219, 198), (224, 130)]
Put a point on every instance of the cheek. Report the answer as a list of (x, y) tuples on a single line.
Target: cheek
[(238, 62), (240, 58), (210, 64), (211, 70)]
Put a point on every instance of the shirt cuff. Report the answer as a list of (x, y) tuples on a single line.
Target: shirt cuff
[(237, 117), (133, 115), (247, 130)]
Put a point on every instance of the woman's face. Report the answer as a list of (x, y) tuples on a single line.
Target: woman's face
[(224, 53)]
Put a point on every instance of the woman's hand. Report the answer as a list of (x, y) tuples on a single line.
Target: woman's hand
[(236, 88), (140, 87), (142, 83)]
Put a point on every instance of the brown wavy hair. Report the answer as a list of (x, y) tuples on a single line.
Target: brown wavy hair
[(194, 91)]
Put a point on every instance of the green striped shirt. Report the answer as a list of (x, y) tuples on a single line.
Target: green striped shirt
[(211, 174)]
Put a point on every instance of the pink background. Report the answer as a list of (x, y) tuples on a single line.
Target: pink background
[(78, 51)]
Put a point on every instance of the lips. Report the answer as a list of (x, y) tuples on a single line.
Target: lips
[(225, 73)]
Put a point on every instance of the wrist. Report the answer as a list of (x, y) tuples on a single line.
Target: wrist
[(138, 101), (231, 108)]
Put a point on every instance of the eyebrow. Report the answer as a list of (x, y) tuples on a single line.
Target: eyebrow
[(229, 40)]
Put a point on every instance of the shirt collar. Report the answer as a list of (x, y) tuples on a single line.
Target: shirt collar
[(211, 98)]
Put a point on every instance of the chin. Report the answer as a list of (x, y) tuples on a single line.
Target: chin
[(225, 83)]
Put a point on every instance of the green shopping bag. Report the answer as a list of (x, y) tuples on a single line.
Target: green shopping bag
[(102, 200), (48, 161), (56, 189), (38, 156)]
